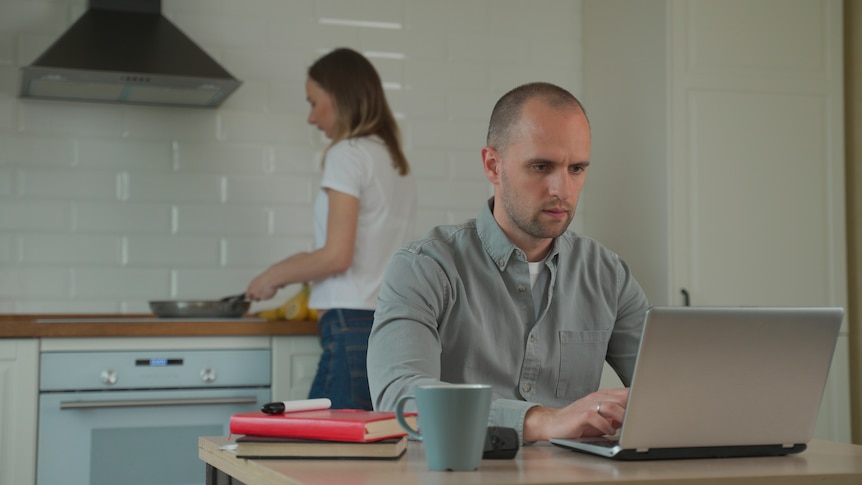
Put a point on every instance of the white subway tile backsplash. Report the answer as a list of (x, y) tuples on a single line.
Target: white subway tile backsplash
[(121, 282), (24, 284), (39, 117), (212, 284), (265, 65), (175, 187), (8, 252), (35, 150), (439, 18), (454, 133), (268, 190), (39, 16), (172, 251), (104, 207), (172, 7), (429, 163), (505, 48), (25, 216), (263, 128), (474, 106), (511, 76), (390, 11), (452, 194), (7, 113), (122, 218), (467, 164), (412, 44), (295, 159), (447, 76), (293, 220), (556, 16), (221, 219), (217, 30), (7, 49), (8, 84), (160, 124), (66, 306), (150, 156), (418, 103), (70, 249), (261, 253), (67, 184), (287, 97), (6, 178), (221, 158)]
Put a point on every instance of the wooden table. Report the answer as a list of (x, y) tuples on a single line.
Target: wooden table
[(824, 462)]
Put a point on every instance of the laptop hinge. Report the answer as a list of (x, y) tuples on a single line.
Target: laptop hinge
[(788, 446), (642, 450)]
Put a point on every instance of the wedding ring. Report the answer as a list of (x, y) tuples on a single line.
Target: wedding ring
[(599, 408)]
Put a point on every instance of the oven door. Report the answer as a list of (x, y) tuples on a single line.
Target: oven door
[(134, 437)]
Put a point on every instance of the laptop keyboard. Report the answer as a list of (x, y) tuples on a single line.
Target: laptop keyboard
[(604, 441)]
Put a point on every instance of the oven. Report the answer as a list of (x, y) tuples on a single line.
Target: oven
[(134, 417)]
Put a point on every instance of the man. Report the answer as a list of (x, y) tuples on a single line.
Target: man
[(512, 299)]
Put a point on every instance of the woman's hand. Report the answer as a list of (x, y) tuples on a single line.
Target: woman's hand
[(262, 287)]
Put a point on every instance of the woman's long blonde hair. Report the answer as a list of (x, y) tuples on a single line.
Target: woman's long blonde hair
[(361, 105)]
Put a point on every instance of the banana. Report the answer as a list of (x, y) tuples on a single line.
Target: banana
[(271, 314), (295, 308)]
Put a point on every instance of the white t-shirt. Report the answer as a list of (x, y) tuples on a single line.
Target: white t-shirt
[(362, 167)]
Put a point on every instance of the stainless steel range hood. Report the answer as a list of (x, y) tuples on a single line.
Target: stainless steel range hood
[(125, 51)]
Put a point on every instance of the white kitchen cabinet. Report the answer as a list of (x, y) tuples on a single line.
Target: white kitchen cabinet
[(19, 370), (294, 364), (718, 155)]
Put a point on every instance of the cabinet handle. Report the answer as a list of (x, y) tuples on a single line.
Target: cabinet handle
[(156, 402), (685, 299)]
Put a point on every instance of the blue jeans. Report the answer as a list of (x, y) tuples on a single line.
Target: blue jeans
[(341, 373)]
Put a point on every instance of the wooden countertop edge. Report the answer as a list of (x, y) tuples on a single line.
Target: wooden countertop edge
[(25, 326)]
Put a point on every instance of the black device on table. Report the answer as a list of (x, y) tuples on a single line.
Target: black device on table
[(500, 443)]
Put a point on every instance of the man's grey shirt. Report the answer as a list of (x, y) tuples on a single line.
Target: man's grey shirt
[(456, 306)]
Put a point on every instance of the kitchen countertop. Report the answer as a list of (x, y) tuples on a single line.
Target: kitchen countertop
[(105, 325)]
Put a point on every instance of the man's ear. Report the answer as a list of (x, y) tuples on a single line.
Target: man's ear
[(491, 163)]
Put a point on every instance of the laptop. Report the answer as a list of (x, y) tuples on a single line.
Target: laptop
[(723, 382)]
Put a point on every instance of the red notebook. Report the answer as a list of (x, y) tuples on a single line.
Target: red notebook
[(326, 424)]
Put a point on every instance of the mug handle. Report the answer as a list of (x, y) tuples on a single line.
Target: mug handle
[(399, 415)]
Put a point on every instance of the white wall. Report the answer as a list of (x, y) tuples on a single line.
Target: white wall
[(104, 207)]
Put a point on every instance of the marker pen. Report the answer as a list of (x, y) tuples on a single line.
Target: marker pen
[(280, 407)]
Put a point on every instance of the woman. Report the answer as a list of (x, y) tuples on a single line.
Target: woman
[(363, 213)]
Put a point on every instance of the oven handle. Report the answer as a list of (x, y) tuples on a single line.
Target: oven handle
[(157, 402)]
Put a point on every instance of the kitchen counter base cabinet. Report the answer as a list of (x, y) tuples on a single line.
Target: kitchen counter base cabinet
[(19, 361), (294, 364)]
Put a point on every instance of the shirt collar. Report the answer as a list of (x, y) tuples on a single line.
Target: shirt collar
[(497, 244)]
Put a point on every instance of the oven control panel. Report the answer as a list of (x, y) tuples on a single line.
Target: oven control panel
[(65, 371)]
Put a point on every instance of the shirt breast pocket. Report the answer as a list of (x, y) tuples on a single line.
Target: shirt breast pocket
[(582, 357)]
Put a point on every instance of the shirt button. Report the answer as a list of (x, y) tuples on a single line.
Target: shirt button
[(522, 288), (527, 387), (500, 262), (532, 338)]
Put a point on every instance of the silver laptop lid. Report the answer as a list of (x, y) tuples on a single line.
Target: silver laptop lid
[(708, 376)]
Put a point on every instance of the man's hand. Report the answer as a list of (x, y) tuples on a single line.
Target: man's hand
[(597, 414)]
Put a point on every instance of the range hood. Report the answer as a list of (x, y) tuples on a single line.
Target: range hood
[(126, 51)]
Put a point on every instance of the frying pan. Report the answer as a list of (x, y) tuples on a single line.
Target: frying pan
[(228, 307)]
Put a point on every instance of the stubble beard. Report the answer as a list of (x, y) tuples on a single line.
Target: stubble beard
[(531, 224)]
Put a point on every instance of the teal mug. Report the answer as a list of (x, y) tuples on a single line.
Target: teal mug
[(453, 419)]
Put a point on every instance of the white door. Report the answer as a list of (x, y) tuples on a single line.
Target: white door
[(731, 111)]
